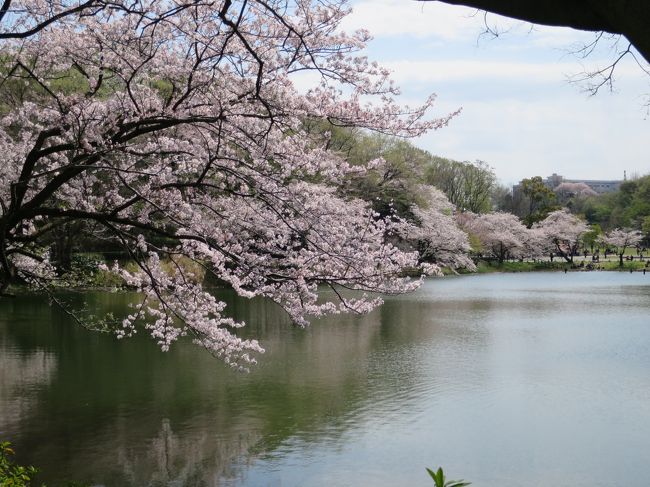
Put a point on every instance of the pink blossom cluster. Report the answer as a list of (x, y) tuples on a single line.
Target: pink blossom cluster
[(436, 234), (567, 189), (621, 239), (562, 233), (502, 235)]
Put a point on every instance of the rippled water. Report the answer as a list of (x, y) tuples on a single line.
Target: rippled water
[(505, 380)]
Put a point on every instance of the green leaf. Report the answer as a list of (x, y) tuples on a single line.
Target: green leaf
[(439, 479)]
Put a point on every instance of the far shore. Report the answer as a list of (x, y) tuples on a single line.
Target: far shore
[(485, 267), (91, 277)]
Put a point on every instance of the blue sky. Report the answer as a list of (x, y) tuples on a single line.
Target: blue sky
[(519, 112)]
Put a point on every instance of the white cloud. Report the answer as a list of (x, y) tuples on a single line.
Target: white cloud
[(569, 135), (518, 112), (411, 72), (305, 80), (560, 38), (439, 71), (408, 74), (390, 18), (434, 20)]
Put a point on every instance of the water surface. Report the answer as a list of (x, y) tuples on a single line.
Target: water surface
[(505, 380)]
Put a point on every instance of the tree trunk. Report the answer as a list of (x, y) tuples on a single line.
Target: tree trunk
[(63, 246)]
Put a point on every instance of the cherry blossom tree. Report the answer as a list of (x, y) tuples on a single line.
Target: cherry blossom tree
[(568, 190), (502, 235), (435, 233), (563, 233), (174, 128), (621, 239)]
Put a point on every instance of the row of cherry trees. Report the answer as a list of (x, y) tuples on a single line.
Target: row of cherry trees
[(503, 236)]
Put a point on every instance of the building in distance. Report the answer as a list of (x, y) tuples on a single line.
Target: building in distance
[(598, 186)]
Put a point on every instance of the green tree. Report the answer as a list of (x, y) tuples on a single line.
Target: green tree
[(468, 185), (394, 183), (590, 238), (645, 229), (626, 208), (539, 200), (12, 475)]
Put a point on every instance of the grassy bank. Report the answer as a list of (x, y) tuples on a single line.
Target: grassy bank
[(490, 267), (88, 271), (107, 279)]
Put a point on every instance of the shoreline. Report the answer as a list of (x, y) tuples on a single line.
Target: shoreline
[(484, 267), (108, 282)]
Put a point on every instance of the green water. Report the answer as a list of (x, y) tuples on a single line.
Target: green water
[(506, 380)]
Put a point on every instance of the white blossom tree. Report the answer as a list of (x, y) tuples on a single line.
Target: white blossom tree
[(174, 128), (568, 190), (502, 235), (435, 233), (622, 239), (563, 233)]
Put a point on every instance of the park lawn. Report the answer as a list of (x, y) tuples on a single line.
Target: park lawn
[(516, 266)]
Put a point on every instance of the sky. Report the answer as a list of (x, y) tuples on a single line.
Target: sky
[(520, 113)]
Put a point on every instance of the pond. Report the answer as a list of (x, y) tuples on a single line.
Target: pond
[(504, 379)]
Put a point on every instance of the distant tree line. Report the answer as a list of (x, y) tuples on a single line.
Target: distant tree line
[(628, 207), (469, 186)]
